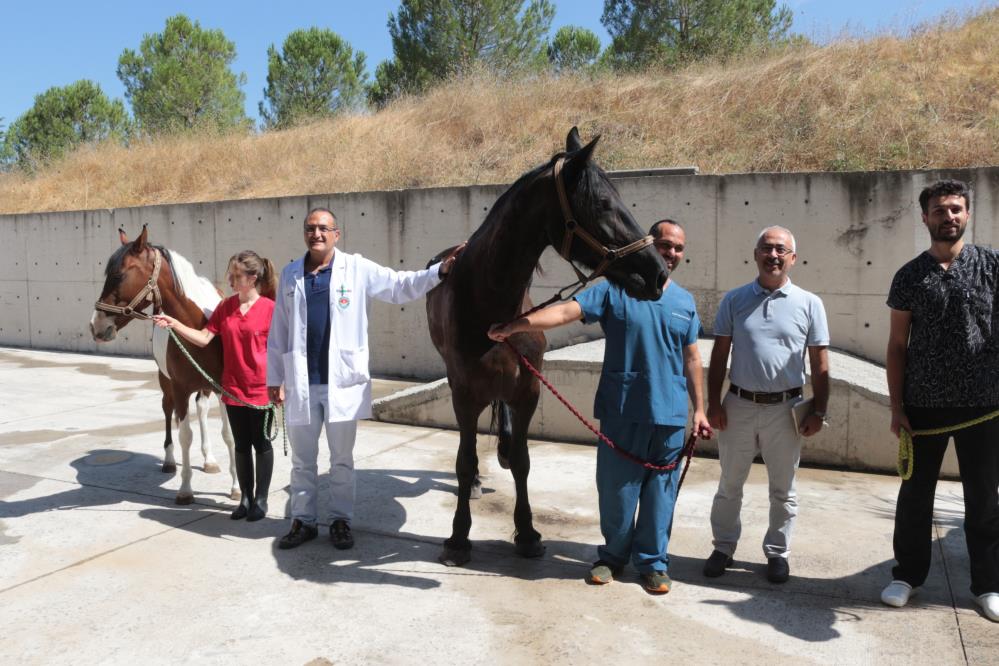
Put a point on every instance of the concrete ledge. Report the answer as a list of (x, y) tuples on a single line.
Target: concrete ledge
[(857, 437)]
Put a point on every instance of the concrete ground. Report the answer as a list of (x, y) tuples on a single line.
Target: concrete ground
[(98, 565)]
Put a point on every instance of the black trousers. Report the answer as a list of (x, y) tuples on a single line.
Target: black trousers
[(248, 428), (977, 450)]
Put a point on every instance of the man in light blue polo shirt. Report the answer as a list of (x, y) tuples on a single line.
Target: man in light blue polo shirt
[(651, 366), (770, 325)]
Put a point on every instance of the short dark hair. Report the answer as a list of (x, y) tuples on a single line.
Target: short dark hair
[(655, 227), (944, 188), (321, 209)]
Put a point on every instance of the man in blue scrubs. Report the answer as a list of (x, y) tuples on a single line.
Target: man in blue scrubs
[(651, 366)]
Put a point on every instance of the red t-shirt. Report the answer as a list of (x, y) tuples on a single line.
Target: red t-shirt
[(244, 348)]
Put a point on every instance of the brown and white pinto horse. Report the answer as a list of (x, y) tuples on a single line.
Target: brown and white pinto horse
[(569, 204), (134, 281)]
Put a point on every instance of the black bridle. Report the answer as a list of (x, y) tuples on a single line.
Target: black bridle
[(573, 229)]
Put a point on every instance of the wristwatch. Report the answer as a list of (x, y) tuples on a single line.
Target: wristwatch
[(821, 415)]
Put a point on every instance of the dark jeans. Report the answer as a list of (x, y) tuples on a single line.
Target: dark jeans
[(248, 428), (978, 461)]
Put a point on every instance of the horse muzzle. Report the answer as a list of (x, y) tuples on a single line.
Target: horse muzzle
[(102, 328)]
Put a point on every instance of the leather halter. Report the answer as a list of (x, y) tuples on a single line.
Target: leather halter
[(572, 229), (151, 288)]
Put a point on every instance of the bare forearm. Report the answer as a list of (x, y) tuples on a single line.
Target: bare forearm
[(695, 377), (820, 380), (716, 371), (199, 337), (895, 371), (542, 320)]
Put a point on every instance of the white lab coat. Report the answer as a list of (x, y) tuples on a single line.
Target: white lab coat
[(354, 280)]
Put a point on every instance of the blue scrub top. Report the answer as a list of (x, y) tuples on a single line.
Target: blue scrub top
[(642, 379), (317, 337)]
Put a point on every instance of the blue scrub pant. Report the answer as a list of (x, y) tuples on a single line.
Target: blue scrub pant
[(625, 486)]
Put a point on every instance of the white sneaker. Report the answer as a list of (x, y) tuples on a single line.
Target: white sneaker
[(897, 593), (990, 605)]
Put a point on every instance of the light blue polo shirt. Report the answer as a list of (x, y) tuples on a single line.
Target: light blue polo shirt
[(771, 331), (642, 379)]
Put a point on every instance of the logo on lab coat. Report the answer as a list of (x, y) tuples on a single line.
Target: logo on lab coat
[(343, 302)]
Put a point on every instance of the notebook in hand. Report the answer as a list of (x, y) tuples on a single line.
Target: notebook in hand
[(800, 411)]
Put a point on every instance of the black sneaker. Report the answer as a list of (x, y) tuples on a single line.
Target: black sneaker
[(778, 570), (716, 564), (299, 534), (341, 536)]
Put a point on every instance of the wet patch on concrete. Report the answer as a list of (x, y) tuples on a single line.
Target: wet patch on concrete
[(42, 436), (97, 369), (103, 458)]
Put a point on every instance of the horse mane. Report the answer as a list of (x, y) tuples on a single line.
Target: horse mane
[(199, 289), (190, 284), (584, 197)]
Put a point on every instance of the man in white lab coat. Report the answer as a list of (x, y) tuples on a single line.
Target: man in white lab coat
[(318, 351)]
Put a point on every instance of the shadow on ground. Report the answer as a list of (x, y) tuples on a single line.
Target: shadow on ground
[(807, 608)]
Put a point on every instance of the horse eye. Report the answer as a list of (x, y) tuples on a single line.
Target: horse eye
[(605, 203)]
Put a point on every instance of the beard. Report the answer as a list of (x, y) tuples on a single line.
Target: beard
[(935, 235)]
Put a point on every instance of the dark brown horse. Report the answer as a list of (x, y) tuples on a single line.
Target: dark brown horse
[(139, 275), (588, 223)]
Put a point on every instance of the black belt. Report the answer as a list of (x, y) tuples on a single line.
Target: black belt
[(765, 398)]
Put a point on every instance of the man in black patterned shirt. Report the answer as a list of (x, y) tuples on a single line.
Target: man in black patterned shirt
[(943, 370)]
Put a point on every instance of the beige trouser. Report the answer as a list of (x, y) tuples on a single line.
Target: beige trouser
[(769, 431)]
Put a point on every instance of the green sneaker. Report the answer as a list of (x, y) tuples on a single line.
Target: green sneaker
[(656, 582), (603, 573)]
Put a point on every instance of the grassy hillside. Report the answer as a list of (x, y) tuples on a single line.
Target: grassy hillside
[(927, 100)]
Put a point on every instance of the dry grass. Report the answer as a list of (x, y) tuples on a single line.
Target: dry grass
[(928, 100)]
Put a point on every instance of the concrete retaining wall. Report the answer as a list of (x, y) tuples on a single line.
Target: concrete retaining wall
[(853, 231)]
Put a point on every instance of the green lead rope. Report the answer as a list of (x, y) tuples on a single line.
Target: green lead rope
[(906, 452), (270, 420)]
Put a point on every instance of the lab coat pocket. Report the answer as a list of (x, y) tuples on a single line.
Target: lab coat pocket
[(352, 368)]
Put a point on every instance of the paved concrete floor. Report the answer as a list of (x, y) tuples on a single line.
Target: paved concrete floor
[(98, 565)]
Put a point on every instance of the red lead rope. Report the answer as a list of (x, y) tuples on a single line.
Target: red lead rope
[(687, 450)]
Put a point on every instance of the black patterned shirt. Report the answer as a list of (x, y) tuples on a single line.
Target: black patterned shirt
[(953, 353)]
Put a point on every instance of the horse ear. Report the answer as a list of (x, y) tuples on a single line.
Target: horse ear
[(140, 243), (577, 160), (572, 141), (122, 236)]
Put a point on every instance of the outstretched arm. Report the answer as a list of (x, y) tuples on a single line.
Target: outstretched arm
[(551, 317), (398, 287), (200, 337)]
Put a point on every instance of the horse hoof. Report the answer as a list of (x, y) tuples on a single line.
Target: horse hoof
[(235, 495), (169, 468), (184, 499), (211, 468), (476, 491), (531, 549), (452, 557)]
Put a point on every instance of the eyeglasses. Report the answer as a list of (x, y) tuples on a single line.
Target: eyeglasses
[(321, 228), (779, 249)]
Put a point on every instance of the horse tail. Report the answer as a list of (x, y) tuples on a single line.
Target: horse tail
[(502, 423)]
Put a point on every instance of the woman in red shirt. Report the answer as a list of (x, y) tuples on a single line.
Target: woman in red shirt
[(243, 321)]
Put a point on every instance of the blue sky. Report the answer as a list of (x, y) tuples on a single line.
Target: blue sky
[(47, 43)]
